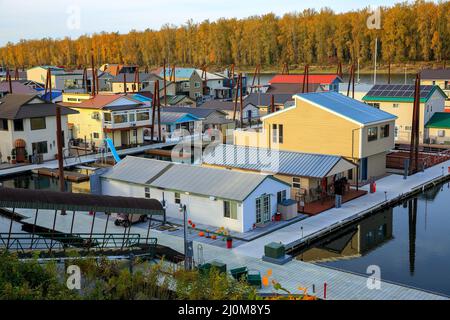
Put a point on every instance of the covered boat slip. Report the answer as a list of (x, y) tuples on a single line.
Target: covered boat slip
[(80, 227)]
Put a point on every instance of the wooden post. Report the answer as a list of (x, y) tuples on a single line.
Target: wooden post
[(241, 101), (236, 98), (93, 88), (165, 84), (73, 220)]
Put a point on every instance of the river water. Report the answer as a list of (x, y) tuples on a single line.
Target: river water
[(409, 243)]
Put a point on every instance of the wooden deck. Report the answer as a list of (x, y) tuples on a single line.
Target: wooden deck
[(72, 176), (319, 206)]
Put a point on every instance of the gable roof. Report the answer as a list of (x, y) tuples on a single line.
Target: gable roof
[(136, 170), (439, 120), (101, 101), (225, 184), (291, 88), (181, 74), (18, 106), (401, 92), (344, 107), (264, 99), (201, 113), (218, 105), (435, 74), (176, 117), (276, 161), (17, 87), (312, 78)]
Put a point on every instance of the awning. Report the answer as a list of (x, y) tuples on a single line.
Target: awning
[(52, 200)]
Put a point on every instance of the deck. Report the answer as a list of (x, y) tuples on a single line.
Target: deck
[(318, 206), (84, 159)]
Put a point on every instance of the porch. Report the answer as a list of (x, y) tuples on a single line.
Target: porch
[(328, 201)]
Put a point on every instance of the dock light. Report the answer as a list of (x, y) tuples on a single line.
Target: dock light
[(385, 196), (302, 230)]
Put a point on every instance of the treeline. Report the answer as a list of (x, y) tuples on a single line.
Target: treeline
[(409, 32)]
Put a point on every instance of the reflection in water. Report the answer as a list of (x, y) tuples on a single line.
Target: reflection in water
[(410, 243), (353, 241), (412, 215)]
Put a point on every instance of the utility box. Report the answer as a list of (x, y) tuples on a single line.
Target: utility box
[(288, 209), (274, 250), (220, 266)]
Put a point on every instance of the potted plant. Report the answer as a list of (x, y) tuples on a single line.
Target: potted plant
[(229, 242)]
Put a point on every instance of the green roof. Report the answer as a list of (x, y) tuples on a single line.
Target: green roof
[(439, 120)]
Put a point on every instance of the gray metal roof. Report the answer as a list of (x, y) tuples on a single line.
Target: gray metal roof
[(136, 170), (219, 183), (274, 161), (204, 181)]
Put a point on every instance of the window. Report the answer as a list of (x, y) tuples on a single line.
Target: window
[(177, 198), (395, 105), (131, 117), (4, 124), (384, 132), (143, 116), (147, 192), (39, 147), (18, 125), (96, 135), (441, 133), (197, 94), (296, 183), (107, 117), (280, 133), (274, 133), (230, 209), (197, 84), (281, 196), (446, 85), (374, 104), (372, 133), (120, 118), (396, 132), (38, 123), (350, 174)]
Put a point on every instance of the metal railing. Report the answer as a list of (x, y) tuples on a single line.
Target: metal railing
[(47, 241)]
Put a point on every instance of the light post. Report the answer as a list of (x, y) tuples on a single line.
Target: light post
[(187, 264)]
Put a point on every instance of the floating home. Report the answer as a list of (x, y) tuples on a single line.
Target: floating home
[(438, 77), (215, 197), (398, 99), (28, 127), (439, 128), (328, 123), (306, 173)]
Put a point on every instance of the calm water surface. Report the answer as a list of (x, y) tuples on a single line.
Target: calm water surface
[(410, 243)]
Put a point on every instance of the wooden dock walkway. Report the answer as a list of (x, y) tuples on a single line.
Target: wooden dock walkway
[(72, 176), (294, 274), (389, 190)]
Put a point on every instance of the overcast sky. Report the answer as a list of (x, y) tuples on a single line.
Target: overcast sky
[(34, 19)]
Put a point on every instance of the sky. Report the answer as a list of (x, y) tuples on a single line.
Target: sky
[(36, 19)]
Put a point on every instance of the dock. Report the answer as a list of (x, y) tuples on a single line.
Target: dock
[(390, 190), (341, 285), (71, 176), (82, 160), (167, 153)]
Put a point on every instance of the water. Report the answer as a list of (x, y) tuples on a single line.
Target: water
[(37, 182), (410, 243)]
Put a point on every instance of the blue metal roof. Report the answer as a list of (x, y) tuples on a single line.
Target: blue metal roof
[(273, 160), (347, 107), (141, 98), (180, 73)]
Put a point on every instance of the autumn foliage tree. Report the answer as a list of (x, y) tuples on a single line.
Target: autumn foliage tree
[(418, 31)]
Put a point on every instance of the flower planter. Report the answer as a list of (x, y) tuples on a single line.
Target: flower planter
[(229, 243), (277, 217)]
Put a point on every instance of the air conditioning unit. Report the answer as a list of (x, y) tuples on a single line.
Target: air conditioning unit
[(95, 116)]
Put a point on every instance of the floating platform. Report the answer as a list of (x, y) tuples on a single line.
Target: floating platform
[(167, 153), (68, 175)]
